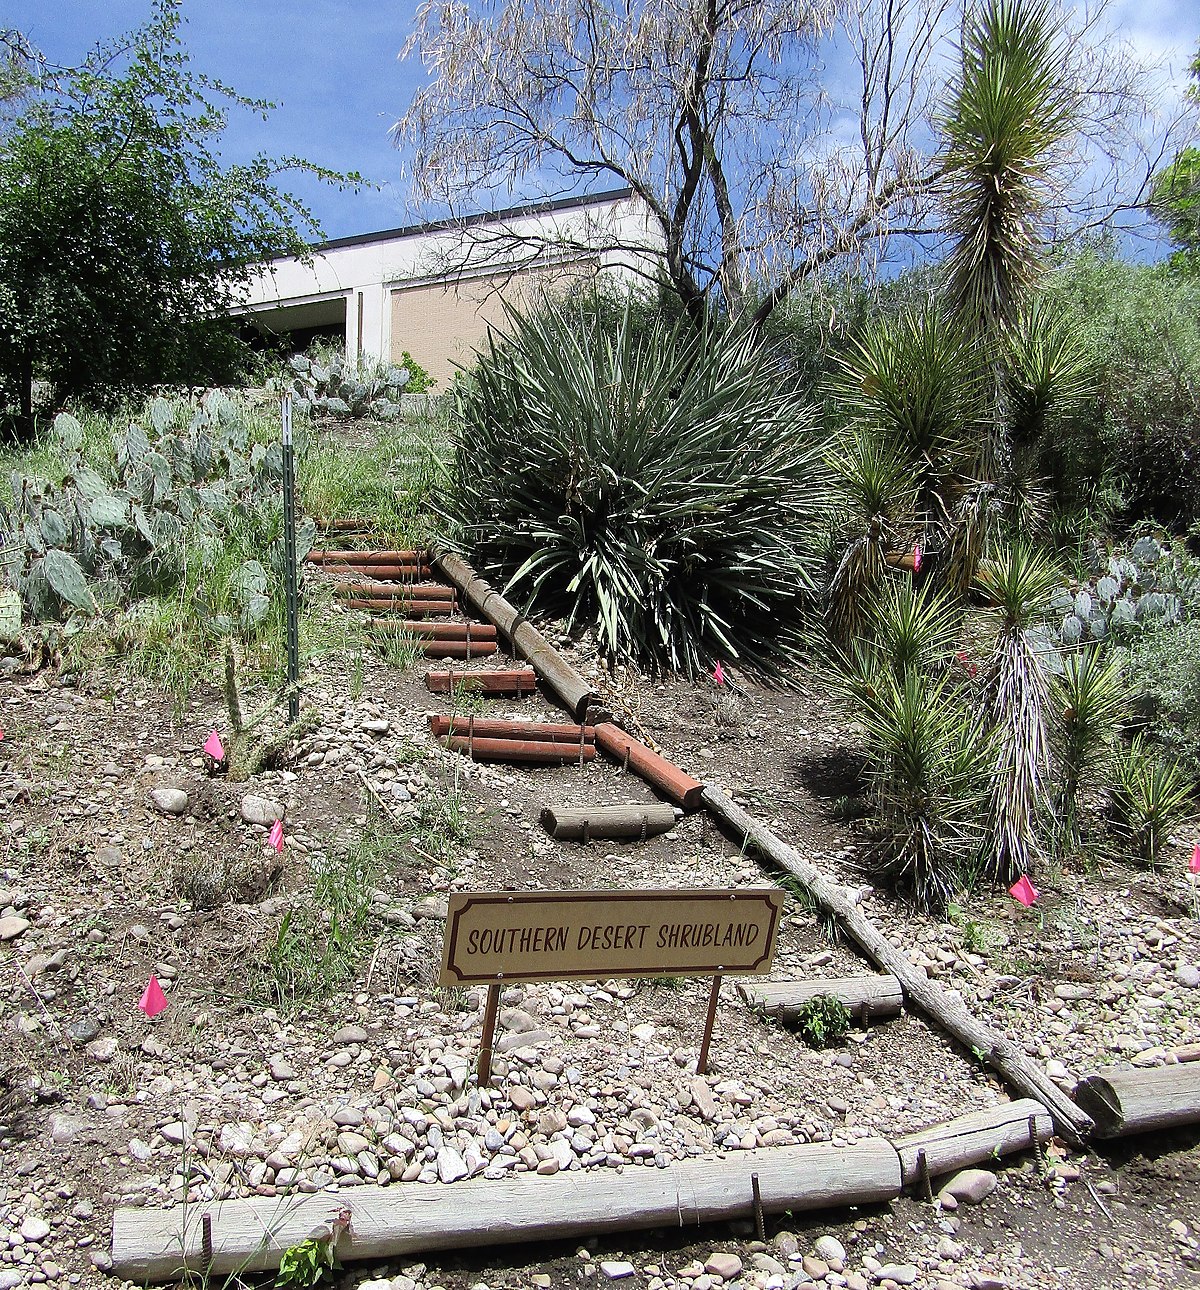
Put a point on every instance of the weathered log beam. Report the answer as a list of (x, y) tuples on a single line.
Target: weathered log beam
[(573, 691), (628, 820), (661, 774), (872, 996), (251, 1235), (968, 1139), (1125, 1100), (947, 1012)]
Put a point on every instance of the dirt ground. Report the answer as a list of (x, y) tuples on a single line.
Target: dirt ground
[(101, 1104)]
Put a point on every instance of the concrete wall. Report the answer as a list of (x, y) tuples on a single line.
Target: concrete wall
[(434, 289)]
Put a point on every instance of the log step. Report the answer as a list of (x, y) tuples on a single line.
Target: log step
[(515, 681), (1125, 1100), (316, 556), (541, 752), (474, 632), (459, 649), (388, 590), (419, 609), (629, 820), (873, 995), (682, 789), (481, 727)]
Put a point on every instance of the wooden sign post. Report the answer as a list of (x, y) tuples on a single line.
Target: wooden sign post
[(496, 937)]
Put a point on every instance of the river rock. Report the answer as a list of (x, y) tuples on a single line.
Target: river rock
[(261, 810), (168, 801)]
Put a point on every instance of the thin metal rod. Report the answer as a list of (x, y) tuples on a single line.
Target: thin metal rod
[(483, 1072), (926, 1180), (760, 1222), (291, 592), (702, 1060)]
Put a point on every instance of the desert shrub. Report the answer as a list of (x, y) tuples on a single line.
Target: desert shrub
[(1142, 323), (1165, 686), (926, 763), (823, 1021), (654, 483)]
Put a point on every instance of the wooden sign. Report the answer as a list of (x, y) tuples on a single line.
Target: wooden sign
[(593, 935)]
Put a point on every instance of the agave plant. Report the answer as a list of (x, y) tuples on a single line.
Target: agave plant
[(1089, 697), (656, 484), (1152, 797), (1013, 704)]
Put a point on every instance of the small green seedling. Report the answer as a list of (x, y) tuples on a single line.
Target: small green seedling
[(313, 1260), (823, 1021)]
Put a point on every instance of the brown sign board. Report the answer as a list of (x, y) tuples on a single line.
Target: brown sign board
[(592, 935)]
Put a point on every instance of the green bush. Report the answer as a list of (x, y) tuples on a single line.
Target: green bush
[(1164, 678), (823, 1021), (1142, 322), (655, 483), (1151, 798)]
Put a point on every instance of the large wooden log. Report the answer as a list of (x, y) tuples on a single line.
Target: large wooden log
[(516, 681), (923, 994), (661, 774), (968, 1139), (559, 676), (1126, 1100), (628, 820), (250, 1235), (497, 728), (872, 996)]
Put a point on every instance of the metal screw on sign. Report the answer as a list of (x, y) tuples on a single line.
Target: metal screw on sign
[(291, 594)]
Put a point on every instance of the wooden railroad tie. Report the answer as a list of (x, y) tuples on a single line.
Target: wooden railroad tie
[(503, 681)]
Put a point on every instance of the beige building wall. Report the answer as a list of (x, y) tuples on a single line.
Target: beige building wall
[(443, 324)]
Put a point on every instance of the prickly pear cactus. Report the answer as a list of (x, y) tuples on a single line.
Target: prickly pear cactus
[(1134, 591), (182, 475)]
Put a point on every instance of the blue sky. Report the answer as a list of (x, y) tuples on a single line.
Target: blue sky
[(332, 67)]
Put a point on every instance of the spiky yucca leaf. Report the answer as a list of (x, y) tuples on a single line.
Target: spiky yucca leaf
[(909, 627), (1009, 114), (874, 488), (1012, 706), (658, 485), (915, 382), (926, 767), (1051, 372), (1089, 698), (1152, 797)]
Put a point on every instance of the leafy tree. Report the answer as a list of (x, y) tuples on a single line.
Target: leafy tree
[(124, 241), (1175, 199), (766, 140)]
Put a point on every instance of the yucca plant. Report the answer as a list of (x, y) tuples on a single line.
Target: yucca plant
[(926, 768), (656, 483), (1152, 797), (876, 494), (1009, 114), (1012, 707), (1089, 699)]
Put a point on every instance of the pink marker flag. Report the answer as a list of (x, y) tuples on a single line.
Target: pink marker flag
[(917, 558), (719, 673), (153, 1001), (1194, 862), (1023, 891), (214, 747), (275, 837)]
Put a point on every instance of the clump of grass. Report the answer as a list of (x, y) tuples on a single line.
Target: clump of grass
[(386, 483), (319, 944)]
